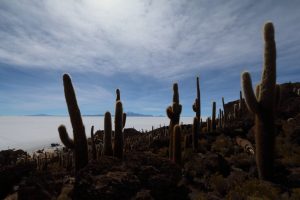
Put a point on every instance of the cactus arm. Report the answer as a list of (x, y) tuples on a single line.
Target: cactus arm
[(250, 98), (169, 112), (64, 137)]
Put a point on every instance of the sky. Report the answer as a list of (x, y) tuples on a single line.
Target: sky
[(141, 47)]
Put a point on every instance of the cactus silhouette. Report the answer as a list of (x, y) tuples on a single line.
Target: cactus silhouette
[(120, 119), (263, 105), (107, 149), (213, 117), (177, 144), (79, 144), (173, 112), (196, 122), (94, 155)]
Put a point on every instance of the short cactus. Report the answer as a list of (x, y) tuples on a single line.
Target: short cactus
[(173, 112), (263, 105), (79, 144), (107, 149)]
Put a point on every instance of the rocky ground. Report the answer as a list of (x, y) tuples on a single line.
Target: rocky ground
[(218, 169)]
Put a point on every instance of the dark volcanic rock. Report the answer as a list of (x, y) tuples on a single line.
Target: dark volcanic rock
[(139, 172)]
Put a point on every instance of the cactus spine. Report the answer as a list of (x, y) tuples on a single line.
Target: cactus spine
[(177, 144), (213, 119), (196, 122), (263, 106), (107, 151), (79, 144), (173, 112), (120, 120)]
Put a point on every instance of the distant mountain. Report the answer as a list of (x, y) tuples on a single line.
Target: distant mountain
[(132, 114), (129, 114)]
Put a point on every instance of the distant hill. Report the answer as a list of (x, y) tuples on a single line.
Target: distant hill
[(129, 114)]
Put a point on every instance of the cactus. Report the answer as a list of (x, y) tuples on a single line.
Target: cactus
[(120, 119), (107, 149), (94, 156), (177, 144), (196, 122), (263, 105), (196, 105), (225, 112), (118, 95), (173, 112), (220, 118), (213, 119), (195, 133), (208, 124), (79, 144)]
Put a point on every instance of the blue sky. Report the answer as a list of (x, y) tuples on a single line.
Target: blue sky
[(141, 47)]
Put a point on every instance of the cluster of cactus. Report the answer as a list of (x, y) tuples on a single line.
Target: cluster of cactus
[(79, 144), (173, 112), (263, 104)]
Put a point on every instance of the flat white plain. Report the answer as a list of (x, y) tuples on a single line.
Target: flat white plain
[(34, 132)]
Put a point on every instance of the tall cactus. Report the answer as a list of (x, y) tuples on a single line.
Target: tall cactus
[(79, 143), (196, 122), (173, 112), (120, 120), (177, 144), (263, 105), (213, 117), (107, 149)]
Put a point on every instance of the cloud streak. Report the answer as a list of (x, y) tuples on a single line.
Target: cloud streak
[(155, 38)]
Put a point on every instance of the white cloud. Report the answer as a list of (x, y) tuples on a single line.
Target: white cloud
[(162, 39)]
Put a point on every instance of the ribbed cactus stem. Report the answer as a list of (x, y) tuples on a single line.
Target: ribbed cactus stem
[(107, 149), (80, 141), (173, 112), (213, 119), (263, 105), (177, 144), (119, 137), (94, 153)]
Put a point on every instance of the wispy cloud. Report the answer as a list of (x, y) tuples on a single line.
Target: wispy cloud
[(156, 38)]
